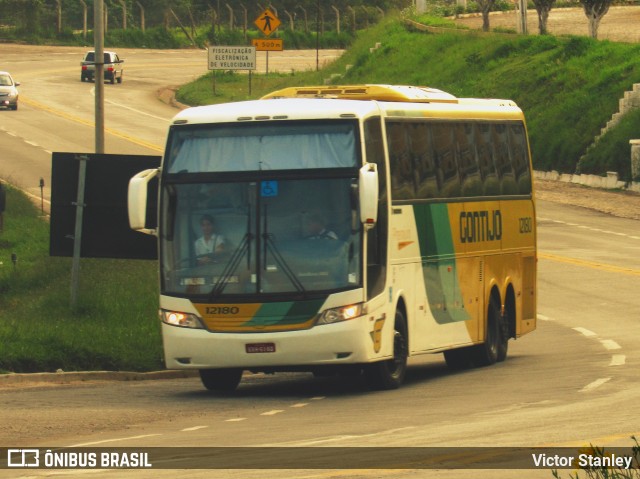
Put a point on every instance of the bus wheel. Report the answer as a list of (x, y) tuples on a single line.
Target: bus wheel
[(488, 352), (503, 330), (390, 374), (222, 380)]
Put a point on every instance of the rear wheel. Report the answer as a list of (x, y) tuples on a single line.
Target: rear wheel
[(120, 79), (221, 380), (390, 374), (488, 352)]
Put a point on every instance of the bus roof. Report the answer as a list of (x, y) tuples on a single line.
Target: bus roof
[(402, 93), (327, 102)]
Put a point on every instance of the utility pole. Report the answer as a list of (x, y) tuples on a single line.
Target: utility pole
[(98, 39)]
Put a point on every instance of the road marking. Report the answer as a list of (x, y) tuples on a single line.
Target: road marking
[(595, 384), (140, 112), (114, 440), (599, 230), (194, 428), (618, 360), (272, 413), (91, 124), (589, 264), (300, 404), (542, 317), (236, 419), (344, 437), (585, 332), (610, 344), (318, 398)]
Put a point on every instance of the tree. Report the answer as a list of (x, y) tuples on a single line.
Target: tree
[(485, 7), (543, 7), (595, 10)]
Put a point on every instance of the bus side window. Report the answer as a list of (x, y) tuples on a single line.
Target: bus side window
[(377, 236), (467, 163), (426, 174), (446, 158), (490, 182), (400, 161), (520, 158), (503, 161)]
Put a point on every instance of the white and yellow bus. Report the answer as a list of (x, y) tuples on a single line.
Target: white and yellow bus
[(354, 227)]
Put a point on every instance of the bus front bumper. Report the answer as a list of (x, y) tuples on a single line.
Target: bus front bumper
[(347, 342)]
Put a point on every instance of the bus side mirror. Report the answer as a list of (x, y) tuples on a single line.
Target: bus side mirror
[(368, 189), (137, 200)]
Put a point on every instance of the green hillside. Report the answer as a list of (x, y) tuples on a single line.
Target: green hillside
[(568, 87)]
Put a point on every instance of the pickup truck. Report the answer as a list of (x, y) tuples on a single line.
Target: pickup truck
[(113, 70)]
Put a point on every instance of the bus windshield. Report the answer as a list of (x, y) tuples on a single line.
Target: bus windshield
[(280, 145), (255, 232)]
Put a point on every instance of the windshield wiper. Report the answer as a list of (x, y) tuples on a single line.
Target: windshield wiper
[(270, 246), (234, 261)]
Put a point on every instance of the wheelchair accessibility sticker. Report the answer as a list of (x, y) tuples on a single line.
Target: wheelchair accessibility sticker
[(269, 188)]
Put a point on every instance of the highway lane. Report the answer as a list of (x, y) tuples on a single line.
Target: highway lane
[(571, 382)]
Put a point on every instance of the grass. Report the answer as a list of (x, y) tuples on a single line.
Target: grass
[(568, 86), (114, 325)]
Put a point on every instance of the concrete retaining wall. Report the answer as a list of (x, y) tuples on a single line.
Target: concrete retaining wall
[(607, 182)]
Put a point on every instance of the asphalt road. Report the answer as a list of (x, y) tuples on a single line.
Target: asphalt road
[(572, 382)]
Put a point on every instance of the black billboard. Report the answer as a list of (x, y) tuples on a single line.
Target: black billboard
[(105, 226)]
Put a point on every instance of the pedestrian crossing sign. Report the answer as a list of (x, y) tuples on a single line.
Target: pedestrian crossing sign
[(267, 22)]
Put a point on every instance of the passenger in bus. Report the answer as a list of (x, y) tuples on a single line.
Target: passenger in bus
[(209, 243), (316, 228)]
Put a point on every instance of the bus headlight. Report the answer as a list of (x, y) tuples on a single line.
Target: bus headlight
[(344, 313), (182, 320)]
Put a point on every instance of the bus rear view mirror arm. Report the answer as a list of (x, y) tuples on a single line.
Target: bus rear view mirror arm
[(137, 200), (369, 195)]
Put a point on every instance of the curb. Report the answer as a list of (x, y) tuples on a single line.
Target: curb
[(80, 376)]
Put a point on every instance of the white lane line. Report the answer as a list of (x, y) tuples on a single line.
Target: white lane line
[(236, 419), (585, 332), (590, 228), (618, 360), (119, 439), (300, 404), (272, 413), (140, 112), (542, 317), (194, 428), (610, 344), (318, 398), (595, 384)]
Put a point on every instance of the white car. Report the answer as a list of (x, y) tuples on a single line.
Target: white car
[(8, 91), (113, 70)]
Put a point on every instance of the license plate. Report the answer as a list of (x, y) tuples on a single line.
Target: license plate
[(261, 348)]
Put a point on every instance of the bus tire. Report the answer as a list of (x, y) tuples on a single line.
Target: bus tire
[(221, 380), (389, 374), (487, 353), (503, 342)]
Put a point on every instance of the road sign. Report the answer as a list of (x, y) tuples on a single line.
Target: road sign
[(267, 22), (232, 58), (268, 44)]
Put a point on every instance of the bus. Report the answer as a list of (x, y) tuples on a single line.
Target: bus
[(429, 245)]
